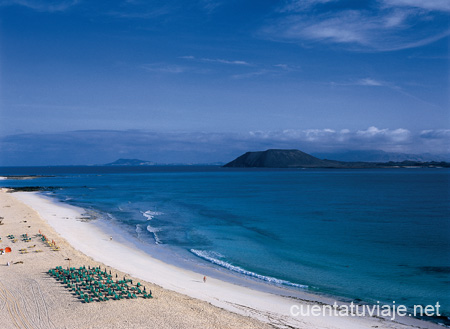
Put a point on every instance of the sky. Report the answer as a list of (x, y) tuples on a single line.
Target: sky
[(87, 82)]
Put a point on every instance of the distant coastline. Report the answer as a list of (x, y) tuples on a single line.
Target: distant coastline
[(137, 163), (278, 158)]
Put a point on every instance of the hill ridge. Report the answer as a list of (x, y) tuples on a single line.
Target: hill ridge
[(280, 158)]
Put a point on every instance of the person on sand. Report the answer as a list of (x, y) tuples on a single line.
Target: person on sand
[(204, 279)]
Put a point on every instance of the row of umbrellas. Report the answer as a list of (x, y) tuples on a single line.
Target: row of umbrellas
[(94, 284)]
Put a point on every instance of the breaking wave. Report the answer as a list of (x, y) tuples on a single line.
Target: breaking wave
[(154, 231), (149, 214), (209, 257)]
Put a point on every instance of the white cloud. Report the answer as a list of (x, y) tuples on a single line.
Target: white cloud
[(217, 60), (417, 43), (141, 14), (210, 5), (41, 5), (370, 137), (300, 5), (313, 135), (395, 19), (346, 28), (369, 82), (438, 5), (371, 132), (272, 70), (250, 75), (165, 68), (224, 61), (282, 66), (435, 134), (306, 135), (396, 135), (384, 26), (243, 67)]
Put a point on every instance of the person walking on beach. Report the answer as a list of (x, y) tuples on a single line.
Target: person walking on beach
[(204, 279)]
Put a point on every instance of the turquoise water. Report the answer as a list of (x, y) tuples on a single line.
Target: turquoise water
[(369, 235)]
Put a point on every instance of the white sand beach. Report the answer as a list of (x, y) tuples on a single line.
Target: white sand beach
[(30, 298)]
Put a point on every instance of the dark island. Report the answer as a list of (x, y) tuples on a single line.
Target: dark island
[(130, 162), (297, 159)]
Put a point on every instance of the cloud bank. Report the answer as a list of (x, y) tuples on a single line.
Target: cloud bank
[(103, 146)]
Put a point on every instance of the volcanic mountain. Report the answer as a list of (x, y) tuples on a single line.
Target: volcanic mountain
[(297, 159), (280, 159)]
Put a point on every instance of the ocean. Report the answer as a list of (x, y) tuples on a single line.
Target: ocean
[(366, 235)]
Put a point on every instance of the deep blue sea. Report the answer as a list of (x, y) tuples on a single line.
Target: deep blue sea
[(366, 235)]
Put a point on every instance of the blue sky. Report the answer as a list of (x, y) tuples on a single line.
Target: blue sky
[(225, 76)]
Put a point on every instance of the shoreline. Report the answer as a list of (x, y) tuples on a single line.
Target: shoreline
[(31, 298), (118, 254)]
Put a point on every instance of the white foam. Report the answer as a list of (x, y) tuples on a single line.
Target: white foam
[(206, 255), (149, 214), (154, 231)]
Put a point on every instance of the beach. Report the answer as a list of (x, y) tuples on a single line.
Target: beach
[(30, 298)]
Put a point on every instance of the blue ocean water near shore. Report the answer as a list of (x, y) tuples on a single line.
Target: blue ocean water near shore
[(365, 235)]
